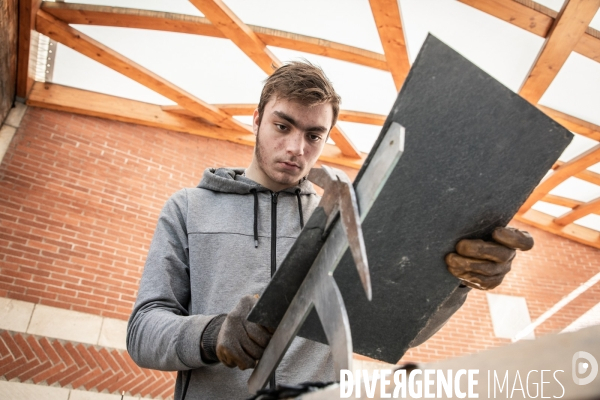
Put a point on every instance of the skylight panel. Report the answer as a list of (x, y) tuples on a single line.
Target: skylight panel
[(575, 89), (361, 88), (362, 135), (591, 221), (76, 70), (173, 6), (595, 168), (577, 189), (596, 21), (555, 5), (213, 69), (341, 21), (503, 50), (580, 144), (550, 209)]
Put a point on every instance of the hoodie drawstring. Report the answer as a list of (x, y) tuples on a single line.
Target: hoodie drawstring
[(300, 208), (253, 191)]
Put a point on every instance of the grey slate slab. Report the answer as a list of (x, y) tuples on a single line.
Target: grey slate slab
[(474, 151)]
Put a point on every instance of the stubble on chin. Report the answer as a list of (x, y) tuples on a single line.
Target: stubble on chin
[(281, 177)]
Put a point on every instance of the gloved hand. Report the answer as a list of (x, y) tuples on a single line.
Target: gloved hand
[(239, 342), (483, 265)]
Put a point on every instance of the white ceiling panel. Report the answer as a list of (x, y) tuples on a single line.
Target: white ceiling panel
[(575, 90), (577, 189)]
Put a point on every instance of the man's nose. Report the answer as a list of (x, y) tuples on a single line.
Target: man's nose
[(295, 144)]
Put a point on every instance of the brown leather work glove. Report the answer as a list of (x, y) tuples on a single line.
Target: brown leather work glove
[(240, 343), (483, 265)]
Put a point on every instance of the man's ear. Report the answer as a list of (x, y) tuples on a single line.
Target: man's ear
[(255, 121)]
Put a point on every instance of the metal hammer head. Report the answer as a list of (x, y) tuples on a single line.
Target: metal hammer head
[(339, 195)]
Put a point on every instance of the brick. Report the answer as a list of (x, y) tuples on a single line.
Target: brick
[(77, 373), (11, 344), (48, 373), (34, 371), (87, 356), (114, 364), (63, 353), (98, 378), (21, 369)]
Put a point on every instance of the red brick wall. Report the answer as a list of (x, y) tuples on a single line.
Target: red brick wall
[(79, 199)]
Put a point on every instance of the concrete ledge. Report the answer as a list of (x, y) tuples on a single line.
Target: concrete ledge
[(9, 128), (59, 323), (27, 391)]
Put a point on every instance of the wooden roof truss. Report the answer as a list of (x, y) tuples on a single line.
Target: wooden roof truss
[(564, 32)]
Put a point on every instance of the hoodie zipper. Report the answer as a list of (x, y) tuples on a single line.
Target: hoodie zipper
[(274, 196)]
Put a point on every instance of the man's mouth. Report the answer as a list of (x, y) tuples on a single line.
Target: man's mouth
[(290, 164)]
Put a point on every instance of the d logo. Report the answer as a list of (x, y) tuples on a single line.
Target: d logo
[(582, 367)]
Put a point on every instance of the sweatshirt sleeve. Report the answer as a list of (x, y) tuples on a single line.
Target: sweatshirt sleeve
[(161, 334), (442, 315)]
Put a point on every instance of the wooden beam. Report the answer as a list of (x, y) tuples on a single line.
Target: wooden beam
[(585, 175), (389, 25), (591, 207), (239, 33), (362, 117), (63, 98), (589, 176), (9, 35), (321, 47), (561, 201), (573, 124), (233, 28), (87, 14), (536, 19), (574, 232), (567, 30), (78, 41), (248, 109), (566, 170), (517, 14), (27, 50), (589, 46)]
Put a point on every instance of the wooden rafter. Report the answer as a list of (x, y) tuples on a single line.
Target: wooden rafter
[(87, 14), (573, 124), (63, 98), (566, 170), (568, 28), (561, 201), (517, 14), (575, 232), (589, 176), (589, 46), (536, 19), (239, 33), (248, 109), (78, 41), (579, 211), (585, 175), (27, 50), (389, 25)]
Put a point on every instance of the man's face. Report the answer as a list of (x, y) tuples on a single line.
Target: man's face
[(289, 140)]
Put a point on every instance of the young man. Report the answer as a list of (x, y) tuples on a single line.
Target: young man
[(216, 247)]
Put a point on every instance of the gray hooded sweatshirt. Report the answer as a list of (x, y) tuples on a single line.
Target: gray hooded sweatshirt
[(214, 244)]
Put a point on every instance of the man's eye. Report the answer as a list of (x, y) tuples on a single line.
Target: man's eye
[(281, 127), (314, 138)]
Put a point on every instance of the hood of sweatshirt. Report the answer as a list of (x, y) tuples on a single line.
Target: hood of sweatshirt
[(231, 180)]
